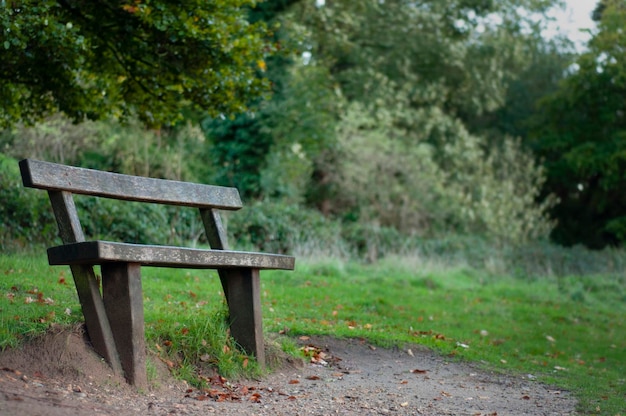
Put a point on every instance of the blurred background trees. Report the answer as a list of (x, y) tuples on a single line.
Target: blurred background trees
[(368, 123)]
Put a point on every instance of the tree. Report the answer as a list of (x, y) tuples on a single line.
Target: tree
[(419, 73), (152, 58), (268, 150), (580, 132)]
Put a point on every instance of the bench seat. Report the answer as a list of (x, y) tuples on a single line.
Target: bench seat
[(99, 252)]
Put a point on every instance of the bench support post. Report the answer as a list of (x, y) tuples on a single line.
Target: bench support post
[(87, 285), (96, 322), (123, 301), (244, 306)]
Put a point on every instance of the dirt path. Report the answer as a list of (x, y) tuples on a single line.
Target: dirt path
[(59, 376)]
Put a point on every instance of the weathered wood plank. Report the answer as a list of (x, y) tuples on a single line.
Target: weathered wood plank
[(244, 307), (66, 215), (214, 229), (123, 299), (218, 240), (52, 176), (100, 252)]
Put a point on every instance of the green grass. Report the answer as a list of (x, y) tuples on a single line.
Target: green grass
[(568, 331)]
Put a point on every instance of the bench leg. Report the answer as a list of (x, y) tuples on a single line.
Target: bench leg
[(123, 301), (96, 321), (244, 306)]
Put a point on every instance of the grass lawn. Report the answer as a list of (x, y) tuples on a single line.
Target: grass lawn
[(567, 331)]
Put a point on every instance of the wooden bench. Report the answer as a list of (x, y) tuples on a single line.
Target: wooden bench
[(114, 318)]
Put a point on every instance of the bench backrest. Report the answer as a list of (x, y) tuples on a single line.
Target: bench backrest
[(56, 177), (62, 181)]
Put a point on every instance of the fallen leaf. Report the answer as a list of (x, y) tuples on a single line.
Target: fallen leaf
[(549, 338), (304, 338), (410, 352), (313, 378), (418, 371), (294, 381)]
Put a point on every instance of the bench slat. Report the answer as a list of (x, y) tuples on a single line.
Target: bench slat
[(56, 177), (98, 252)]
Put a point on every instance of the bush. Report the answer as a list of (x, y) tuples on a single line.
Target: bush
[(26, 214), (284, 228)]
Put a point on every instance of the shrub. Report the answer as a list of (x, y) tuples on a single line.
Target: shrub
[(26, 214), (284, 228)]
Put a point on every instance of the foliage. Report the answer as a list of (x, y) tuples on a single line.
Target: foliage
[(400, 154), (285, 228), (580, 134), (111, 146), (149, 58), (397, 178), (26, 214), (270, 151), (238, 149)]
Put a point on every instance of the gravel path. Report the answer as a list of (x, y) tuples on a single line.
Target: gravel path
[(346, 377)]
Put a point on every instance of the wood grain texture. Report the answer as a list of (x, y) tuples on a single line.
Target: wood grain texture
[(244, 311), (123, 299), (99, 252), (53, 176)]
